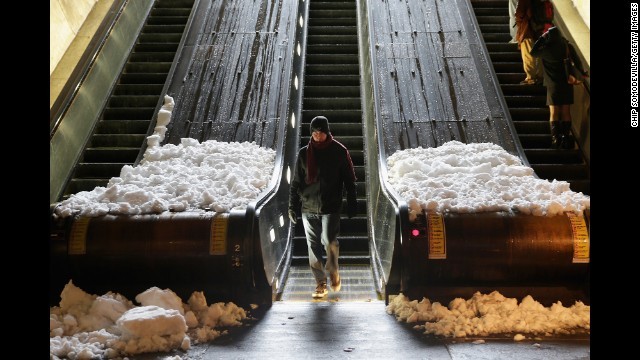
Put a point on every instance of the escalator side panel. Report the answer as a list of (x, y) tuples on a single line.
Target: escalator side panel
[(184, 252), (77, 125)]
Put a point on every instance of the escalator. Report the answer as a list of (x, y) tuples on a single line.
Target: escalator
[(527, 103), (218, 253), (123, 125), (332, 89)]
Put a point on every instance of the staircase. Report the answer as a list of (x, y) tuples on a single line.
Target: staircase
[(122, 129), (527, 103), (332, 89)]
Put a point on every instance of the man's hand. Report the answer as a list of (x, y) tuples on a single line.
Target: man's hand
[(293, 216)]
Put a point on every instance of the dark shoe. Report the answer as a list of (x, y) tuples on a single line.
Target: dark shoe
[(556, 134), (527, 82), (567, 139), (538, 82), (321, 291), (335, 281)]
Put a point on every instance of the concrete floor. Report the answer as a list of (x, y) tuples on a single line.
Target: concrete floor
[(334, 329)]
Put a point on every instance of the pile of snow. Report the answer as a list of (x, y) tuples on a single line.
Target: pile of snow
[(478, 177), (87, 326), (484, 315), (190, 176)]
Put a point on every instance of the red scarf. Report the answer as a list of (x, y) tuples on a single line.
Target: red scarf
[(312, 166)]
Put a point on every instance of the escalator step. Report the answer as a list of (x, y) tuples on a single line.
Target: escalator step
[(118, 140), (123, 127), (332, 59), (167, 20), (331, 69), (159, 38), (338, 91), (128, 113), (333, 80), (143, 78), (147, 67), (137, 89), (111, 155), (142, 56), (542, 156), (99, 170), (335, 103), (117, 101)]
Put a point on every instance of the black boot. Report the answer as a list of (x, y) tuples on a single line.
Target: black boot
[(567, 139), (556, 134)]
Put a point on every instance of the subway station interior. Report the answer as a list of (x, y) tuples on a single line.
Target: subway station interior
[(389, 75)]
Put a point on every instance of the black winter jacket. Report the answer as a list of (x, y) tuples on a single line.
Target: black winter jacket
[(335, 173)]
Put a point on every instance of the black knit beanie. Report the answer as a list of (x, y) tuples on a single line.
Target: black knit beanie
[(319, 123)]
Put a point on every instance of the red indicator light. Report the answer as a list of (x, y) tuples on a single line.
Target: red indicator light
[(415, 232)]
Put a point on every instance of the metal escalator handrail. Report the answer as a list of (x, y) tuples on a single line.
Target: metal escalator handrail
[(272, 204), (79, 74)]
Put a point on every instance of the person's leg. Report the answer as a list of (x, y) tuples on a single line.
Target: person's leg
[(330, 231), (565, 126), (313, 231), (554, 112), (513, 29), (528, 62), (554, 124)]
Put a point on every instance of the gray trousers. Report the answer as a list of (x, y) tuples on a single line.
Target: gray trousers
[(322, 234), (513, 28)]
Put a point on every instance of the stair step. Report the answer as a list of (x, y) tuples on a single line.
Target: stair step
[(101, 170), (137, 89), (532, 127), (508, 67), (333, 30), (561, 171), (143, 78), (507, 56), (497, 37), (529, 113), (517, 89), (319, 59), (526, 101), (490, 18), (333, 14), (118, 140), (503, 47), (338, 91), (338, 103), (129, 113), (167, 20), (501, 25), (123, 126), (344, 116), (333, 80), (149, 101), (332, 39), (111, 155), (542, 156), (332, 49)]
